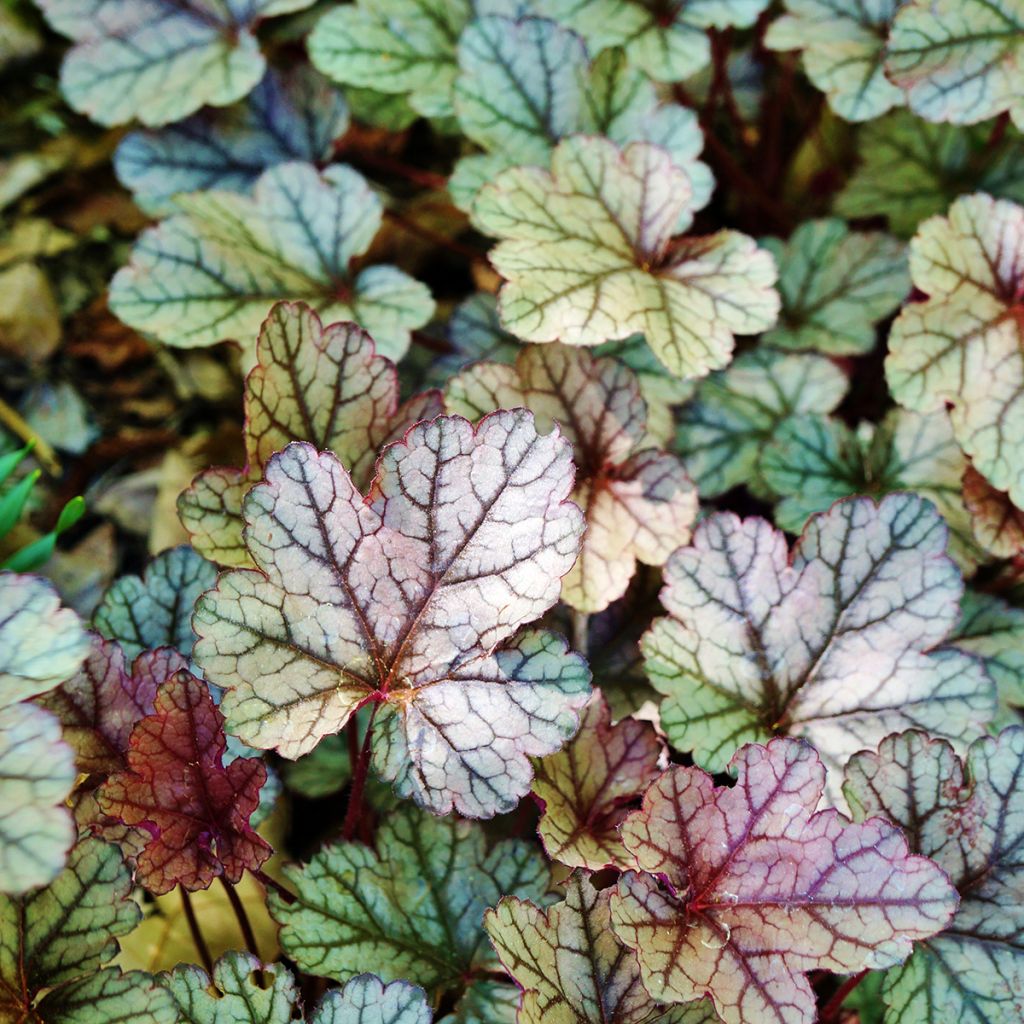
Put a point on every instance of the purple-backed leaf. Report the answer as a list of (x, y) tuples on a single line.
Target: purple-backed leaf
[(100, 704), (324, 385), (998, 524), (409, 598), (638, 501), (177, 788), (968, 816), (588, 787), (745, 889)]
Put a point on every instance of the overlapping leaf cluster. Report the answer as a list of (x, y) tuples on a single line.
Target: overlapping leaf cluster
[(598, 561)]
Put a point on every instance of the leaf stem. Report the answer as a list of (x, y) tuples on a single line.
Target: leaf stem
[(434, 237), (16, 424), (197, 936), (272, 883), (830, 1011), (243, 918), (354, 811), (580, 625)]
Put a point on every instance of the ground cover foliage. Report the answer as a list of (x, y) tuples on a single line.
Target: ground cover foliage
[(511, 512)]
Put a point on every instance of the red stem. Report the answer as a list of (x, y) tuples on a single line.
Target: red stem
[(389, 165), (243, 918), (354, 811), (272, 883), (197, 936), (434, 237), (830, 1011)]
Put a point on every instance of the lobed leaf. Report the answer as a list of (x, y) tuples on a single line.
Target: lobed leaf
[(294, 115), (968, 816), (588, 256), (586, 789), (735, 412), (413, 908), (638, 502), (159, 60), (210, 272), (194, 808), (830, 642), (571, 967), (409, 599), (959, 60), (813, 461), (964, 346), (154, 610), (997, 523), (41, 643), (747, 888), (323, 385), (844, 49), (836, 285), (911, 169), (525, 84), (54, 942)]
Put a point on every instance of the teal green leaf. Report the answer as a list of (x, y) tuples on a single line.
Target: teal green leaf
[(326, 769), (211, 272), (959, 60), (155, 610), (968, 816), (526, 84), (404, 47), (159, 60), (57, 939), (993, 630), (486, 1001), (843, 48), (836, 285), (813, 461), (41, 643), (588, 255), (724, 429), (413, 908), (291, 116), (37, 772), (911, 169)]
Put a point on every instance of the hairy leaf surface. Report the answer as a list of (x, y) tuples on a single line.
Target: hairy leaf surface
[(836, 284), (829, 642), (154, 610), (413, 908), (323, 385), (998, 524), (570, 966), (210, 272), (56, 940), (588, 255), (194, 808), (159, 60), (843, 48), (959, 60), (813, 461), (586, 789), (911, 169), (638, 501), (748, 888), (723, 431), (965, 344), (968, 816), (410, 599), (288, 116)]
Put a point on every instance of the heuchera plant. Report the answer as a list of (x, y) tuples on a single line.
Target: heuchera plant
[(587, 583)]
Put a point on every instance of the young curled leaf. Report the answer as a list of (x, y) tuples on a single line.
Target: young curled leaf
[(159, 60), (588, 254), (742, 890), (409, 598), (587, 788), (831, 642), (194, 808), (324, 385), (211, 271), (99, 706), (964, 346), (571, 967), (638, 501), (968, 816)]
